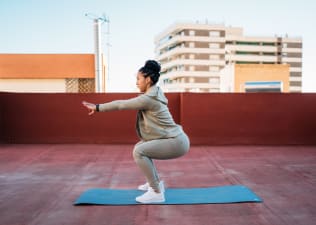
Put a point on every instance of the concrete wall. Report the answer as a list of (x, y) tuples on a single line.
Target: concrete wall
[(209, 119), (33, 85)]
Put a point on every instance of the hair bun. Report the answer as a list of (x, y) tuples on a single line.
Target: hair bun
[(153, 66), (151, 69)]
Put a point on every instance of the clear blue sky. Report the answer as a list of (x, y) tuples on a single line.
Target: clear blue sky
[(60, 26)]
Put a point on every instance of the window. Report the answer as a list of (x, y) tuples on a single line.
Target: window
[(268, 44), (216, 57), (213, 68), (295, 74), (214, 33), (263, 86), (213, 81), (214, 45), (247, 43), (296, 83)]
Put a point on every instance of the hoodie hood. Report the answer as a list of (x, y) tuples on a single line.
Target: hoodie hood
[(155, 92)]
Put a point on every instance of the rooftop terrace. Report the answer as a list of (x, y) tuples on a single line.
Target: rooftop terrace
[(51, 152)]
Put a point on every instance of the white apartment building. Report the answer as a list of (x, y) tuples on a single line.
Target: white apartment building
[(192, 55)]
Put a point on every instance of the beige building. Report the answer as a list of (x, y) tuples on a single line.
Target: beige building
[(48, 73), (242, 78), (193, 55)]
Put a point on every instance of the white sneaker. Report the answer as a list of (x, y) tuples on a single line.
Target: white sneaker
[(145, 187), (151, 197)]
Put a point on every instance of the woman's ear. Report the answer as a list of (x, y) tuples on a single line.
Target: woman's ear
[(148, 80)]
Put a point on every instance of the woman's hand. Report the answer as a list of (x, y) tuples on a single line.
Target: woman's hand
[(90, 106)]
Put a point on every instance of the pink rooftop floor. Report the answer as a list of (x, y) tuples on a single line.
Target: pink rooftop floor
[(51, 151), (39, 183)]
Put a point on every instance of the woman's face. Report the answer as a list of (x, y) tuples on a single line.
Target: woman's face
[(142, 83)]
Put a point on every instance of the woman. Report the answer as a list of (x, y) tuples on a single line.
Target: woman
[(160, 137)]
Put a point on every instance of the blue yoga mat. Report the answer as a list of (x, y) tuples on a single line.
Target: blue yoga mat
[(173, 196)]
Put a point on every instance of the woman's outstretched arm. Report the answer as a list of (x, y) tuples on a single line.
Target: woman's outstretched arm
[(138, 103)]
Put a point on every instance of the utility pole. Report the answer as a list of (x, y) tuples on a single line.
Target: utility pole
[(99, 78)]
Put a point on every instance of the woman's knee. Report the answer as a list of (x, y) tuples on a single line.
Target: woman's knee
[(137, 152)]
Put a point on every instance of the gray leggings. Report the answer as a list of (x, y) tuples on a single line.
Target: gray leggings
[(170, 148)]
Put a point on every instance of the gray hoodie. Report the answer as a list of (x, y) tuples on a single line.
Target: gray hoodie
[(154, 120)]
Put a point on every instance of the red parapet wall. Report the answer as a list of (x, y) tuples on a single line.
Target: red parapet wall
[(208, 119), (256, 118), (61, 118), (1, 118)]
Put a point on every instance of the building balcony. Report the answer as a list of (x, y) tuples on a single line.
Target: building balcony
[(251, 48), (295, 78), (189, 85), (240, 38), (191, 62), (291, 59), (296, 89), (295, 69), (182, 50), (181, 39), (176, 74), (251, 58), (292, 50)]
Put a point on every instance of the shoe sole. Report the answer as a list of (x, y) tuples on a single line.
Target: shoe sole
[(147, 202)]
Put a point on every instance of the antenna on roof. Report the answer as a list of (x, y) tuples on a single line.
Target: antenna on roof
[(99, 76), (102, 18)]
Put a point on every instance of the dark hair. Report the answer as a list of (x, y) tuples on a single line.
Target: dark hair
[(151, 69)]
